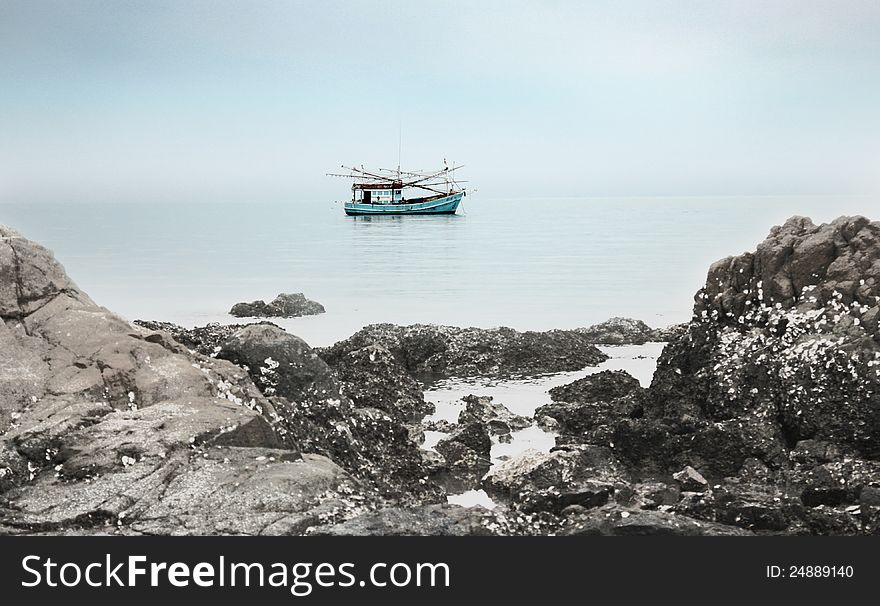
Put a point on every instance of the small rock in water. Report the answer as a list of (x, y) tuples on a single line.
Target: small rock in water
[(496, 417), (285, 305)]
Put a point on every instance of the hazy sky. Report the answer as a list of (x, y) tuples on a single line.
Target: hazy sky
[(244, 100)]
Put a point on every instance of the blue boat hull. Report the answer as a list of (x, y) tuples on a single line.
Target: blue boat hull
[(438, 206)]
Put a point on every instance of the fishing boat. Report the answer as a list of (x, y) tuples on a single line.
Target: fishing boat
[(400, 192)]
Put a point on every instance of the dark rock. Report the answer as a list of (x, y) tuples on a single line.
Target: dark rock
[(870, 496), (821, 495), (815, 452), (605, 386), (589, 407), (755, 508), (773, 380), (835, 483), (108, 427), (497, 419), (769, 509), (372, 378), (467, 447), (785, 338), (474, 436), (466, 452), (649, 495), (443, 351), (771, 391), (285, 305), (281, 364), (627, 331), (573, 510), (309, 405), (869, 509), (546, 423), (655, 448), (586, 494), (669, 333), (619, 331)]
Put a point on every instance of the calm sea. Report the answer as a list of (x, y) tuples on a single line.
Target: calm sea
[(525, 263)]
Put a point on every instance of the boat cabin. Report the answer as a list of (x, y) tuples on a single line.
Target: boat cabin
[(377, 193)]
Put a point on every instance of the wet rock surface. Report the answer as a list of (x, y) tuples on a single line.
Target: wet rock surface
[(443, 351), (285, 305)]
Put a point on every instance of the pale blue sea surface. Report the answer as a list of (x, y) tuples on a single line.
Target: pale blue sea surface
[(526, 263)]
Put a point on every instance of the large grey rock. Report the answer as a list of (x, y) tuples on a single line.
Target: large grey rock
[(229, 490), (586, 476), (105, 423)]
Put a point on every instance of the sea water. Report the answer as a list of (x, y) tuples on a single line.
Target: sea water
[(526, 263), (523, 396)]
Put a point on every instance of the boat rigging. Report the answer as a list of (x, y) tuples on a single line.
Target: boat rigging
[(384, 191)]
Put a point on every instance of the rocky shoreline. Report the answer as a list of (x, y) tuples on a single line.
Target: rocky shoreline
[(763, 416)]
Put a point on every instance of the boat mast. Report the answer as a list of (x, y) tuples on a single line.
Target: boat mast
[(399, 140)]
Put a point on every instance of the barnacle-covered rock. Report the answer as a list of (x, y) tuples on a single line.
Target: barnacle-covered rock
[(786, 337), (443, 351), (371, 377), (586, 476), (495, 416), (285, 305)]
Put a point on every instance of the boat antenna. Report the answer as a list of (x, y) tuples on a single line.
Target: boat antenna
[(399, 141)]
